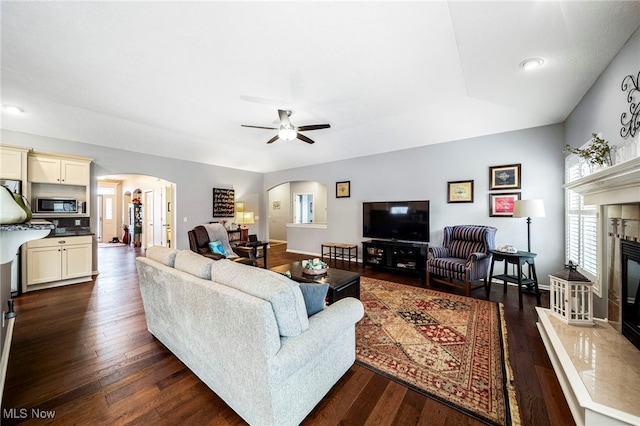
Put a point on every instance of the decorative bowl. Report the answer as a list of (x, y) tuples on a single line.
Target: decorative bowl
[(314, 271), (314, 267)]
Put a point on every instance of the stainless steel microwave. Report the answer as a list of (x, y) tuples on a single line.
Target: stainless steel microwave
[(56, 205)]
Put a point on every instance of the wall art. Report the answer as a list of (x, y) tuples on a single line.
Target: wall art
[(501, 205), (631, 121), (460, 191), (343, 189), (223, 202), (504, 177)]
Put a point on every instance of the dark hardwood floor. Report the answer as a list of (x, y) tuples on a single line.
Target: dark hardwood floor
[(81, 354)]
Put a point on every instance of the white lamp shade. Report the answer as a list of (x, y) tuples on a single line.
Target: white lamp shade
[(239, 218), (528, 208), (248, 218)]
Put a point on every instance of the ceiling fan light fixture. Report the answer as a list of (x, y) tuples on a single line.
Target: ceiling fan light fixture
[(531, 63), (287, 133)]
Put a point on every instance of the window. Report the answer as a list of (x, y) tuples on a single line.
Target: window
[(104, 190), (581, 245)]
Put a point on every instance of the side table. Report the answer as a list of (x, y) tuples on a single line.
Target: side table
[(255, 245), (519, 259)]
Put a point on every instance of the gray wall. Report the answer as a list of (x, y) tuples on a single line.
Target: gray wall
[(423, 173), (599, 111), (601, 107)]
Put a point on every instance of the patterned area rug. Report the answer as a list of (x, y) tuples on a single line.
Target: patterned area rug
[(451, 348)]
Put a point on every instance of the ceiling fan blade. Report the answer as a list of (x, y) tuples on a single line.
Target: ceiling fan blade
[(313, 127), (273, 139), (284, 117), (304, 138), (259, 127)]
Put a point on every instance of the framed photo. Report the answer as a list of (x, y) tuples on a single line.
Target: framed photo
[(504, 177), (501, 205), (460, 191), (343, 189)]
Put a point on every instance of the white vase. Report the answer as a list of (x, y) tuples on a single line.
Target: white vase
[(10, 211)]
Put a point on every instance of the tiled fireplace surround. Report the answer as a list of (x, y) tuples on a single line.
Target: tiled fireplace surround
[(623, 223), (598, 368)]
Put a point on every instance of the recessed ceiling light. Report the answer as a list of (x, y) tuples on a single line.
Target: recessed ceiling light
[(531, 64), (13, 109)]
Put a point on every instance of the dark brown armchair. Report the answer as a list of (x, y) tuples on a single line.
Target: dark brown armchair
[(200, 237)]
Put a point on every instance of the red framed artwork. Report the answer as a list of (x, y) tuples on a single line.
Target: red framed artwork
[(501, 205)]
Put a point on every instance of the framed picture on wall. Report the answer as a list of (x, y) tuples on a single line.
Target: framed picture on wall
[(460, 191), (223, 202), (504, 177), (343, 189), (501, 205)]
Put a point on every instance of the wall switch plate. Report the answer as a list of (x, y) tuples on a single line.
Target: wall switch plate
[(77, 222), (185, 220)]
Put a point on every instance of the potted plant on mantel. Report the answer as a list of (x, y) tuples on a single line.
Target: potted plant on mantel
[(597, 154)]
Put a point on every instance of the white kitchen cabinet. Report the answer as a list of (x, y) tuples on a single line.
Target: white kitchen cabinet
[(58, 260), (65, 171), (13, 163)]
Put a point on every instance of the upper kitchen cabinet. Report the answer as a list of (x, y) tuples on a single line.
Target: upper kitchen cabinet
[(13, 162), (59, 176), (57, 169)]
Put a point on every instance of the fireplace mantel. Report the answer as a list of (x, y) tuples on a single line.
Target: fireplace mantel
[(617, 184)]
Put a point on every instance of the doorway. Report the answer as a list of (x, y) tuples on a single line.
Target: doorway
[(107, 228), (303, 208), (295, 202), (151, 197), (149, 231)]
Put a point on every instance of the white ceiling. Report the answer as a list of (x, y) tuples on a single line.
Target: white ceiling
[(178, 78)]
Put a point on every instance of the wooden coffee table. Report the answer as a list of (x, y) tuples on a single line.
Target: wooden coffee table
[(341, 283)]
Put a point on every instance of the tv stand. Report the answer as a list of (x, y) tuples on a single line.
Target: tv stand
[(395, 256)]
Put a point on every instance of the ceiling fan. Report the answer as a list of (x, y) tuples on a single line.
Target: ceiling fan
[(288, 131)]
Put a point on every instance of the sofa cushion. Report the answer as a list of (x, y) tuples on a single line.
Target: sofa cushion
[(194, 264), (164, 255), (314, 295), (283, 294), (217, 247)]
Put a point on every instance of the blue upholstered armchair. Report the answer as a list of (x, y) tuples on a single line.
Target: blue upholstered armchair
[(464, 256)]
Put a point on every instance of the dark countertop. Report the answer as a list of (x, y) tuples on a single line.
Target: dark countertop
[(27, 226)]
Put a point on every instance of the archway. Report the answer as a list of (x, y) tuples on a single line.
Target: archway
[(309, 196)]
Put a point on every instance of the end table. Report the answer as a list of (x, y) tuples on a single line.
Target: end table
[(519, 259)]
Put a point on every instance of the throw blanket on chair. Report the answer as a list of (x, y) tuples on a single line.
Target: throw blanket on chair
[(217, 232)]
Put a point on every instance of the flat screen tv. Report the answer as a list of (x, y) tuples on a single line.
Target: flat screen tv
[(396, 220)]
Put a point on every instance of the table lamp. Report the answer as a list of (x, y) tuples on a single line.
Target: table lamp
[(244, 218), (528, 209)]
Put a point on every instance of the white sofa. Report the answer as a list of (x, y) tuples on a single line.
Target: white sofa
[(244, 331)]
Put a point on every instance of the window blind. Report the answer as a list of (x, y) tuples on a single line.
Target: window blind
[(581, 226)]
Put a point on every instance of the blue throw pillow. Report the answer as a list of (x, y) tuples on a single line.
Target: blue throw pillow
[(217, 247), (314, 296)]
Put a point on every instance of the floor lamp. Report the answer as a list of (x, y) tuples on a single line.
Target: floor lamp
[(528, 209)]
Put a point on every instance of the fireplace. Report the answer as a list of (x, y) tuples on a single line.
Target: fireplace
[(630, 302)]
